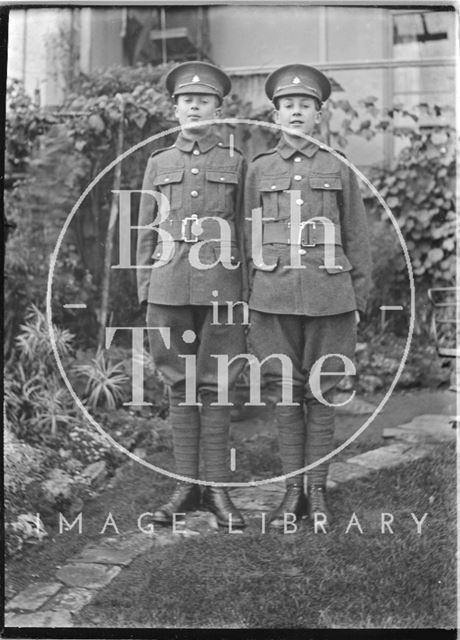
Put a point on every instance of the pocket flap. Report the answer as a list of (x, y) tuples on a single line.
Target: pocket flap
[(329, 183), (222, 175), (343, 265), (275, 183), (271, 259), (169, 177), (235, 256)]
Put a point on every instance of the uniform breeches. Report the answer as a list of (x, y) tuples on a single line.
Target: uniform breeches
[(306, 430), (189, 332), (192, 333)]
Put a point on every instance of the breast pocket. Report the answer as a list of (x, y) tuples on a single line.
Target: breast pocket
[(221, 187), (275, 203), (170, 184), (326, 189)]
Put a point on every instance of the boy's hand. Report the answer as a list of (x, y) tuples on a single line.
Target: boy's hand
[(357, 316)]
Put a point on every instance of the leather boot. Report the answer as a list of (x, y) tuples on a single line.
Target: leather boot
[(186, 497), (294, 501), (218, 501), (317, 503)]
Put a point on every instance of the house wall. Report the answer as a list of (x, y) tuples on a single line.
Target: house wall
[(30, 57), (263, 36), (101, 43)]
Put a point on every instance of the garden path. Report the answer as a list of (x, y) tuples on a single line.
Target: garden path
[(407, 437)]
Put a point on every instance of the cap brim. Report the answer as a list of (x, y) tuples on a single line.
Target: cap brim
[(295, 91), (194, 87)]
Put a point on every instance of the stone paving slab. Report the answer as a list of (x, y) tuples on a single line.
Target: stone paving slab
[(101, 554), (198, 522), (418, 452), (131, 541), (39, 619), (389, 456), (89, 576), (34, 596), (70, 600), (163, 538), (430, 428), (406, 435), (113, 551), (344, 471)]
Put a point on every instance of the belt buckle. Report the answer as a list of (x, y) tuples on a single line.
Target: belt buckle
[(187, 235), (310, 226)]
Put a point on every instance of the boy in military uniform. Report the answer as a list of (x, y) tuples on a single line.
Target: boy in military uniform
[(307, 309), (200, 177)]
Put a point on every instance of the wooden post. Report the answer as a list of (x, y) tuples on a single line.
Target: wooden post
[(109, 236)]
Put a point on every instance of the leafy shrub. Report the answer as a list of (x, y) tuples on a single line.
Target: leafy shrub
[(25, 528), (86, 444), (38, 207), (24, 124), (420, 191), (105, 381), (36, 403), (419, 188)]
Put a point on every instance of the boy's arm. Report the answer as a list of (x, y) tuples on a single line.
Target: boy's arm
[(146, 238), (240, 228), (251, 201), (355, 237)]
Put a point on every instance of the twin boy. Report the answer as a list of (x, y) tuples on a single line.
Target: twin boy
[(307, 313)]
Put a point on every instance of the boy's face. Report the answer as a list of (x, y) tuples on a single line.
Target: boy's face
[(299, 113), (194, 107)]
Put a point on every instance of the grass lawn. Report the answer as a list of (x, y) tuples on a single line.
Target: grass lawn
[(302, 580)]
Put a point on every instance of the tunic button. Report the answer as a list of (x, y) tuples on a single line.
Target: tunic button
[(297, 159), (326, 184), (195, 171), (196, 152), (194, 194), (297, 177), (299, 201), (166, 179), (273, 186), (302, 252), (222, 178)]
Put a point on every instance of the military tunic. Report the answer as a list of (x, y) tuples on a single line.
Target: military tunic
[(199, 177), (306, 312), (324, 186)]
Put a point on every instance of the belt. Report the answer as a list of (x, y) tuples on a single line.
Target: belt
[(182, 230), (312, 233)]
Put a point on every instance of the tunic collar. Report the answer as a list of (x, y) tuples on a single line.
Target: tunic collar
[(286, 150), (204, 143)]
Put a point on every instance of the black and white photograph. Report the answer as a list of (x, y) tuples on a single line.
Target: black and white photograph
[(230, 318)]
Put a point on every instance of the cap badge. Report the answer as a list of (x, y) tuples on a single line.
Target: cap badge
[(296, 80), (196, 79)]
